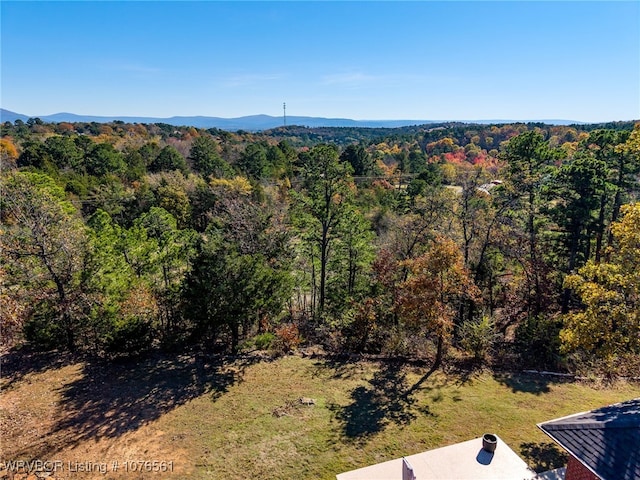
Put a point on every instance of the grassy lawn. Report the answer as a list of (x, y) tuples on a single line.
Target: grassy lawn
[(243, 419)]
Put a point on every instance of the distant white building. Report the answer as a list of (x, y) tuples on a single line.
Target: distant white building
[(486, 187)]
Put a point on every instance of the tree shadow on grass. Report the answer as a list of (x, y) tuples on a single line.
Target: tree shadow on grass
[(530, 382), (543, 456), (384, 401), (111, 399), (464, 371), (341, 367), (18, 364)]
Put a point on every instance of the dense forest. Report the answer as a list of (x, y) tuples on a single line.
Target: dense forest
[(512, 245)]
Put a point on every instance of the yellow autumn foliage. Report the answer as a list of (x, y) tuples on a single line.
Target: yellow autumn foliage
[(7, 149), (609, 323), (237, 184)]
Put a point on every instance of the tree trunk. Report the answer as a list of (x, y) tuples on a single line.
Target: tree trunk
[(617, 201), (435, 366), (314, 290), (573, 252), (439, 355), (537, 304), (324, 251), (65, 318), (352, 271), (600, 228), (235, 337)]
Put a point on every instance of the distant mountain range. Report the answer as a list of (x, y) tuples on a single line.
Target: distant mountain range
[(252, 122)]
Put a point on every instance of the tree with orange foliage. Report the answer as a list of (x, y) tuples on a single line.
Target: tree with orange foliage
[(430, 296), (8, 153)]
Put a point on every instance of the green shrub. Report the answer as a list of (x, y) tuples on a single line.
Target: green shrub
[(131, 335), (42, 332), (478, 337), (538, 343), (264, 340)]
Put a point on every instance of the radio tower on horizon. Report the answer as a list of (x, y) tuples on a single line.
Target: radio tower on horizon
[(284, 109)]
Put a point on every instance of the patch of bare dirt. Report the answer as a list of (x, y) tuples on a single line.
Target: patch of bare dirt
[(82, 419)]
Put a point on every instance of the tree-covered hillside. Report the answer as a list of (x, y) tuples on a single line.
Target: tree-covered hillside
[(503, 243)]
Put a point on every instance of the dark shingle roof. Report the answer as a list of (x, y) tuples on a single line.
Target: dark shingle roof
[(606, 440)]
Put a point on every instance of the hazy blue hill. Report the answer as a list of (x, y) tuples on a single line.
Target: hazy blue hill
[(9, 116), (252, 122)]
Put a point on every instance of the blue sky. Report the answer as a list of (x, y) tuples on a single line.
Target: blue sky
[(426, 60)]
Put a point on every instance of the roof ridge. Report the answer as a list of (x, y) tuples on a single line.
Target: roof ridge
[(608, 424)]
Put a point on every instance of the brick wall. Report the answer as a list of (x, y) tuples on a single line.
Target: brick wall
[(577, 471)]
